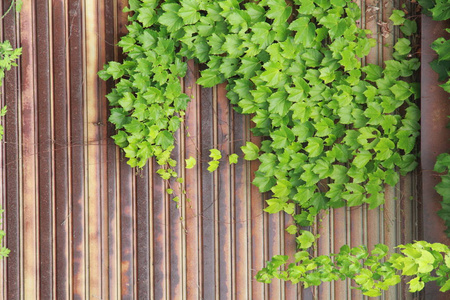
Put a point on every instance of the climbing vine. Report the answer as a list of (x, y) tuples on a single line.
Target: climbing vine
[(295, 67), (8, 58), (373, 272), (337, 131)]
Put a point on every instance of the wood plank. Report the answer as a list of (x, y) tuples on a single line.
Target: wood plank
[(193, 185), (30, 222), (45, 150), (61, 139)]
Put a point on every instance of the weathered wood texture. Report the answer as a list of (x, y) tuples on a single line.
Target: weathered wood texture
[(81, 224)]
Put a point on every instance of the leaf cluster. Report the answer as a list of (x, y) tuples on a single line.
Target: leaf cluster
[(8, 58), (443, 188), (372, 272), (336, 133)]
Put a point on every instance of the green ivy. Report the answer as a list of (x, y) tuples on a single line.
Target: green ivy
[(296, 69), (8, 58), (443, 188), (372, 272), (337, 131)]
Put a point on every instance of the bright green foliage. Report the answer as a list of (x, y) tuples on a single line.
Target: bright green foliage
[(397, 17), (443, 188), (327, 117), (8, 58), (216, 156), (233, 158), (190, 162), (373, 272), (295, 68)]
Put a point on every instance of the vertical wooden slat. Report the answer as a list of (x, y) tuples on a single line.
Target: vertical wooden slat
[(29, 211), (224, 196), (339, 232), (77, 128), (208, 201), (274, 243), (175, 227), (257, 229), (45, 149), (241, 186), (93, 176), (102, 119), (61, 103), (126, 230), (325, 243), (160, 232), (12, 142), (142, 236), (193, 186), (289, 249)]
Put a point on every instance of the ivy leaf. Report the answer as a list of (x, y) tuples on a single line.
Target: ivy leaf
[(312, 58), (171, 20), (264, 183), (147, 16), (372, 293), (441, 11), (362, 158), (416, 285), (213, 165), (279, 104), (442, 48), (210, 78), (305, 31), (189, 11), (275, 205), (384, 149), (233, 158), (118, 117), (249, 66), (164, 174), (442, 163), (215, 154), (164, 139), (190, 162), (305, 239), (250, 150), (115, 70), (282, 138), (349, 60), (273, 75), (262, 34), (315, 146), (441, 68), (397, 17), (409, 27), (403, 46), (292, 229), (401, 90), (445, 287), (373, 72)]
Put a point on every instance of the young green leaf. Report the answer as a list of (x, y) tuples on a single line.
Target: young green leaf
[(215, 154), (213, 165), (233, 158), (190, 162), (250, 150)]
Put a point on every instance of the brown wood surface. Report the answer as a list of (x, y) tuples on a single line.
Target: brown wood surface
[(81, 224)]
